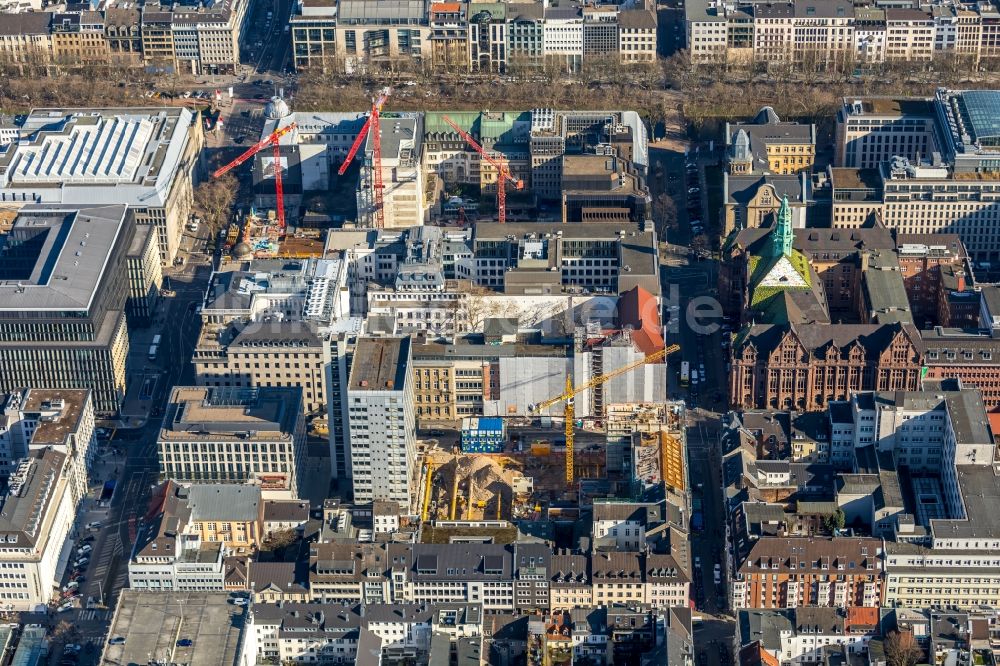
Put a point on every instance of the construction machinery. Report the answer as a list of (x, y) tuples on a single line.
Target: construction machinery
[(371, 127), (500, 164), (271, 140), (571, 392)]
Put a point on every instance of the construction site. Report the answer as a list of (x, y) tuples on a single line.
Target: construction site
[(260, 235), (640, 449)]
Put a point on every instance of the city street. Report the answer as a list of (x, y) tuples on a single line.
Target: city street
[(689, 278), (130, 458)]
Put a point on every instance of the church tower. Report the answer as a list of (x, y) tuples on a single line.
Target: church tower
[(781, 234), (740, 157)]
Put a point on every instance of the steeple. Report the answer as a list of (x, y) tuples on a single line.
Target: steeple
[(781, 234), (741, 146)]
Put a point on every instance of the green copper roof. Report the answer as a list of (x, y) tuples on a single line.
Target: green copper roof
[(761, 267), (781, 235), (494, 130), (498, 10)]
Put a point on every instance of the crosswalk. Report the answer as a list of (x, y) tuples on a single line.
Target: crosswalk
[(94, 615)]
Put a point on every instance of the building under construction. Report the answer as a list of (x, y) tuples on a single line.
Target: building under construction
[(640, 455)]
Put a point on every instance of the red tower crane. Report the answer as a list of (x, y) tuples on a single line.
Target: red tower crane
[(371, 127), (500, 164), (279, 189)]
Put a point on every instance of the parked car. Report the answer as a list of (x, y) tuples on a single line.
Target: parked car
[(185, 642), (84, 549)]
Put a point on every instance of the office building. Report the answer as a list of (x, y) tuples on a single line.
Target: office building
[(36, 518), (543, 258), (925, 165), (63, 291), (262, 354), (871, 130), (62, 420), (145, 276), (234, 435), (381, 421), (62, 157)]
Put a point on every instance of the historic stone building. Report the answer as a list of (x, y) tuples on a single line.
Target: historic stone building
[(806, 366)]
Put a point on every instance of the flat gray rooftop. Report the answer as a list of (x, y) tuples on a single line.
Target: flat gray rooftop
[(152, 622), (979, 486), (56, 256)]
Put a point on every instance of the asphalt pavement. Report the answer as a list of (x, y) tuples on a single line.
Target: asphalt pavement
[(687, 278)]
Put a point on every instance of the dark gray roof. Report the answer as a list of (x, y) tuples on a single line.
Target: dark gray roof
[(29, 494), (991, 296), (288, 577), (840, 412), (380, 364), (807, 9), (285, 511), (381, 10), (71, 260), (224, 502), (741, 189), (26, 23), (450, 562), (297, 334), (638, 19)]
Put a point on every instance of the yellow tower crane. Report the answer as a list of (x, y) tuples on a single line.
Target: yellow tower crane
[(571, 392)]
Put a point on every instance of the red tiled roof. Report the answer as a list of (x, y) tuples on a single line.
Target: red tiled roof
[(862, 616), (638, 310), (994, 418)]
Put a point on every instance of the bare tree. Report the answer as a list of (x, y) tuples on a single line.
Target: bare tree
[(664, 213), (279, 540), (213, 200), (65, 632), (901, 649)]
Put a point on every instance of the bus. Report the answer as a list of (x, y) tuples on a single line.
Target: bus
[(685, 373)]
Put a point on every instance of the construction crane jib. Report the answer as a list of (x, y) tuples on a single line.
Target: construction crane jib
[(372, 128), (500, 164), (571, 392)]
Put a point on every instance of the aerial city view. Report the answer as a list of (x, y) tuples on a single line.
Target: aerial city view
[(528, 332)]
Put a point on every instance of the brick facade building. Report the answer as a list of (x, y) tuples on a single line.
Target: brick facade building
[(788, 572), (805, 366), (970, 355)]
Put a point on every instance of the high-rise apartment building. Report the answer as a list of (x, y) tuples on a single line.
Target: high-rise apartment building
[(381, 421)]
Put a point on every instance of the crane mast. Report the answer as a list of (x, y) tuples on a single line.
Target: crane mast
[(272, 139), (503, 172), (569, 396), (372, 128)]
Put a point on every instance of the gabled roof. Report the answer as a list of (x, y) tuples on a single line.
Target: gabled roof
[(639, 310)]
